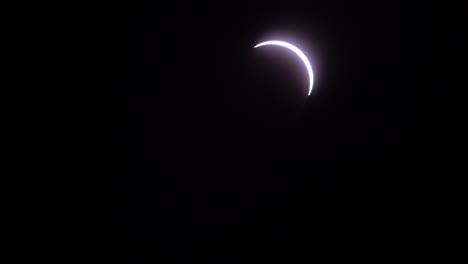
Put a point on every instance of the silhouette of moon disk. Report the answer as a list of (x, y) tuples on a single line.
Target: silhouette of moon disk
[(295, 50)]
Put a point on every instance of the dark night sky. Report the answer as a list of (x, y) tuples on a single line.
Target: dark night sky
[(166, 138)]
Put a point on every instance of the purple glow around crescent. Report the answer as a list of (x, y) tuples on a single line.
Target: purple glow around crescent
[(295, 50)]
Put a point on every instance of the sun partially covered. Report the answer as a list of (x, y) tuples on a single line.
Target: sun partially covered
[(298, 52)]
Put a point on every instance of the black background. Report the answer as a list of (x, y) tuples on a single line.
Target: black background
[(164, 137)]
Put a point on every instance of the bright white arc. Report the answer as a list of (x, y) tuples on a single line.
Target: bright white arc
[(295, 50)]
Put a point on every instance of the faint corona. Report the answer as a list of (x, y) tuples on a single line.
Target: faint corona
[(298, 52)]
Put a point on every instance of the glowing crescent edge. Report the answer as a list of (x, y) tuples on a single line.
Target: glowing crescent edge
[(295, 50)]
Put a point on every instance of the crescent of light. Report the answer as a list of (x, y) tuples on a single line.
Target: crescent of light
[(298, 52)]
